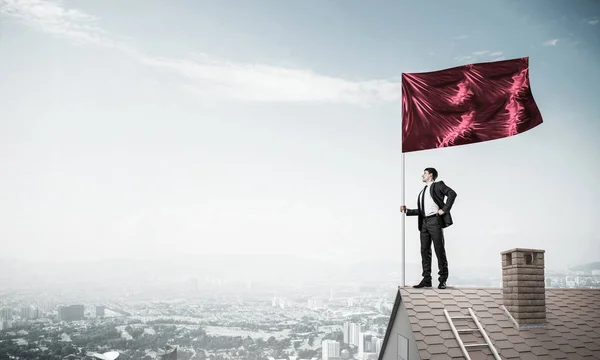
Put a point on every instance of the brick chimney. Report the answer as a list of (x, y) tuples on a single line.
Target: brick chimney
[(523, 286)]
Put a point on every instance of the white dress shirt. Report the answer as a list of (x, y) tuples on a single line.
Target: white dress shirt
[(431, 207)]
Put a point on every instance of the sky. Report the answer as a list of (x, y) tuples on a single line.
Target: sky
[(145, 128)]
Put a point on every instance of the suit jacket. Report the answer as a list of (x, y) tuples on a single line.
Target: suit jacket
[(439, 191)]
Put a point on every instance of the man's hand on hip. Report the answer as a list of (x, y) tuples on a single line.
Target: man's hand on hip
[(441, 212)]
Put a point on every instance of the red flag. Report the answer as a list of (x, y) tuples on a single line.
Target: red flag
[(467, 104)]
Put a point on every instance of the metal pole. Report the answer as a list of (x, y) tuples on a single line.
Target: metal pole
[(403, 220), (403, 197)]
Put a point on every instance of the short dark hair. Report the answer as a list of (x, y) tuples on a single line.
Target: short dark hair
[(433, 172)]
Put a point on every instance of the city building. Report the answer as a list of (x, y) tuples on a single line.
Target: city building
[(34, 313), (330, 350), (378, 345), (363, 340), (368, 343), (24, 311), (521, 320), (100, 311), (346, 331), (315, 303), (111, 355), (6, 313), (71, 313), (46, 305), (354, 333), (168, 353)]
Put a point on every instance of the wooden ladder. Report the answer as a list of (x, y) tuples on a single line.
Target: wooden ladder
[(479, 328)]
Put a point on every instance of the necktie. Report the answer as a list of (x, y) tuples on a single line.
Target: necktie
[(423, 200)]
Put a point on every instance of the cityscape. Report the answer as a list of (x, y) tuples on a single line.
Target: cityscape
[(213, 318)]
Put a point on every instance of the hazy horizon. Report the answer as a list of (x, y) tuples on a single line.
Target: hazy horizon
[(413, 260), (139, 129)]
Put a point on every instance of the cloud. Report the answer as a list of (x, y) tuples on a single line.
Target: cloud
[(462, 59), (486, 53), (551, 42), (497, 56), (204, 74), (480, 56), (53, 18), (209, 76), (460, 37), (591, 21)]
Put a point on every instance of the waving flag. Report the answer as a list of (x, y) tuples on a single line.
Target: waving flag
[(467, 104)]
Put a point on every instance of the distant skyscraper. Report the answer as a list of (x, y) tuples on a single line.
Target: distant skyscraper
[(46, 305), (100, 310), (28, 313), (6, 314), (373, 345), (71, 313), (367, 343), (330, 350), (346, 331), (35, 313), (378, 346), (355, 330), (361, 343)]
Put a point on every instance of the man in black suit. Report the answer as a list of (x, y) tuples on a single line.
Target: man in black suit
[(434, 216)]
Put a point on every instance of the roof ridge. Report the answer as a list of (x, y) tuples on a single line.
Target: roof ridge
[(490, 288)]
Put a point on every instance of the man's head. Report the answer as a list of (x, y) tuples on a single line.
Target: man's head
[(430, 174)]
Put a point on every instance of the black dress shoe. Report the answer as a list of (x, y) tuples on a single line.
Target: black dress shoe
[(442, 285), (423, 284)]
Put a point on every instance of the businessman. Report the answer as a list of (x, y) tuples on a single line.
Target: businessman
[(434, 216)]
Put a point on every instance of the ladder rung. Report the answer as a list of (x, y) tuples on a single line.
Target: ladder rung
[(475, 345), (466, 330)]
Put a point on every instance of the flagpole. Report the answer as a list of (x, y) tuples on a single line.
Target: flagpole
[(403, 220), (402, 197)]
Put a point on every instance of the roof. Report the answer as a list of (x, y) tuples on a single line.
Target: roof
[(111, 355), (572, 328), (168, 350)]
